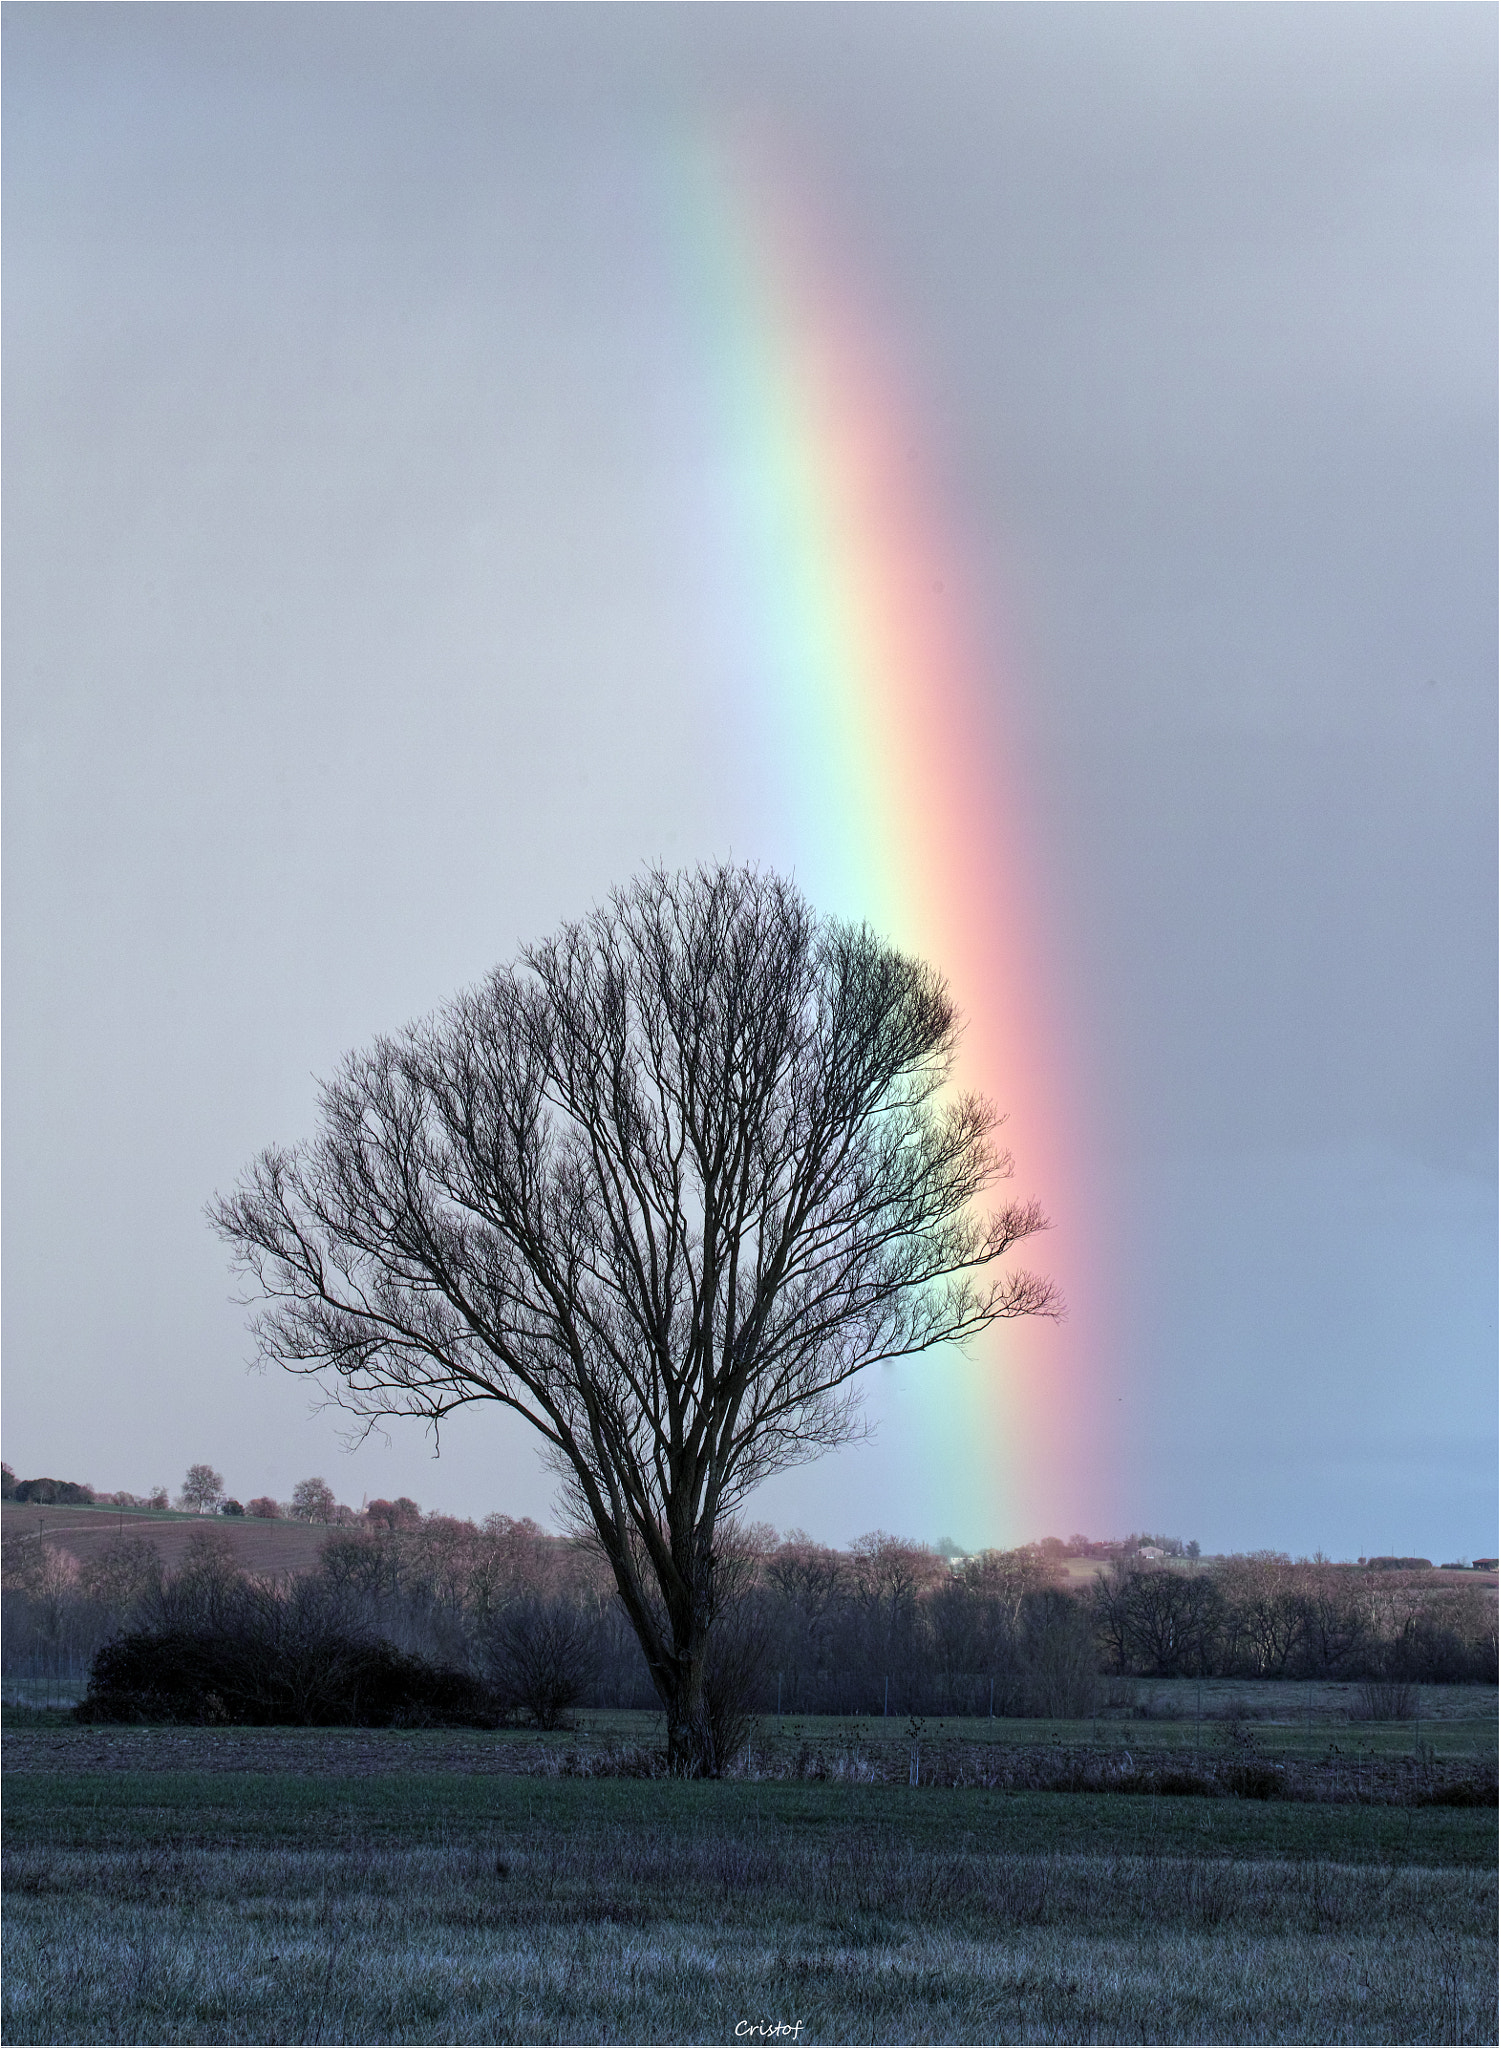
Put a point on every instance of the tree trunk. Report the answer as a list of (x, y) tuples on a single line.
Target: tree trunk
[(691, 1749), (677, 1661)]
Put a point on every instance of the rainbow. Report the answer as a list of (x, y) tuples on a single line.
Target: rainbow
[(872, 719)]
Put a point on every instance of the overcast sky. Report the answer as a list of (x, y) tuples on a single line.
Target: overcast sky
[(351, 639)]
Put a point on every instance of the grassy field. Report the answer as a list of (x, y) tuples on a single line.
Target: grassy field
[(84, 1532), (1278, 1718), (1279, 1722), (369, 1891)]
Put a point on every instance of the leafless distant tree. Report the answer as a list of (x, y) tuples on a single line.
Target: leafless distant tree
[(664, 1188), (1057, 1655), (401, 1513), (202, 1490), (120, 1573), (313, 1501), (541, 1656)]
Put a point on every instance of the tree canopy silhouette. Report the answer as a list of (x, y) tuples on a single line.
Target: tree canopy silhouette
[(665, 1188)]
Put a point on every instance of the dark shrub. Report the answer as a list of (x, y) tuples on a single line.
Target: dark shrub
[(1385, 1699), (299, 1675), (1254, 1781), (1180, 1782), (1469, 1792)]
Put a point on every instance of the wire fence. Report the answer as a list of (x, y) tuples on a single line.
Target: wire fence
[(44, 1678)]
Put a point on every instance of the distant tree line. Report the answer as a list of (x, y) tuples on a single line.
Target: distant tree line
[(314, 1501), (1265, 1616), (203, 1493), (885, 1625)]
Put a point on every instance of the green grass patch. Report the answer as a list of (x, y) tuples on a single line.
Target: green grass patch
[(1455, 1735), (223, 1809)]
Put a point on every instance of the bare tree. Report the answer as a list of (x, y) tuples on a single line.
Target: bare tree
[(401, 1513), (202, 1490), (1173, 1621), (665, 1188), (1057, 1655), (313, 1501), (541, 1657), (120, 1574)]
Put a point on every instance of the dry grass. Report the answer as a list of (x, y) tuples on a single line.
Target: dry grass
[(1420, 1780), (639, 1935)]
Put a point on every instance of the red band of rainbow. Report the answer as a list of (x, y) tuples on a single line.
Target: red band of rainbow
[(877, 731)]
